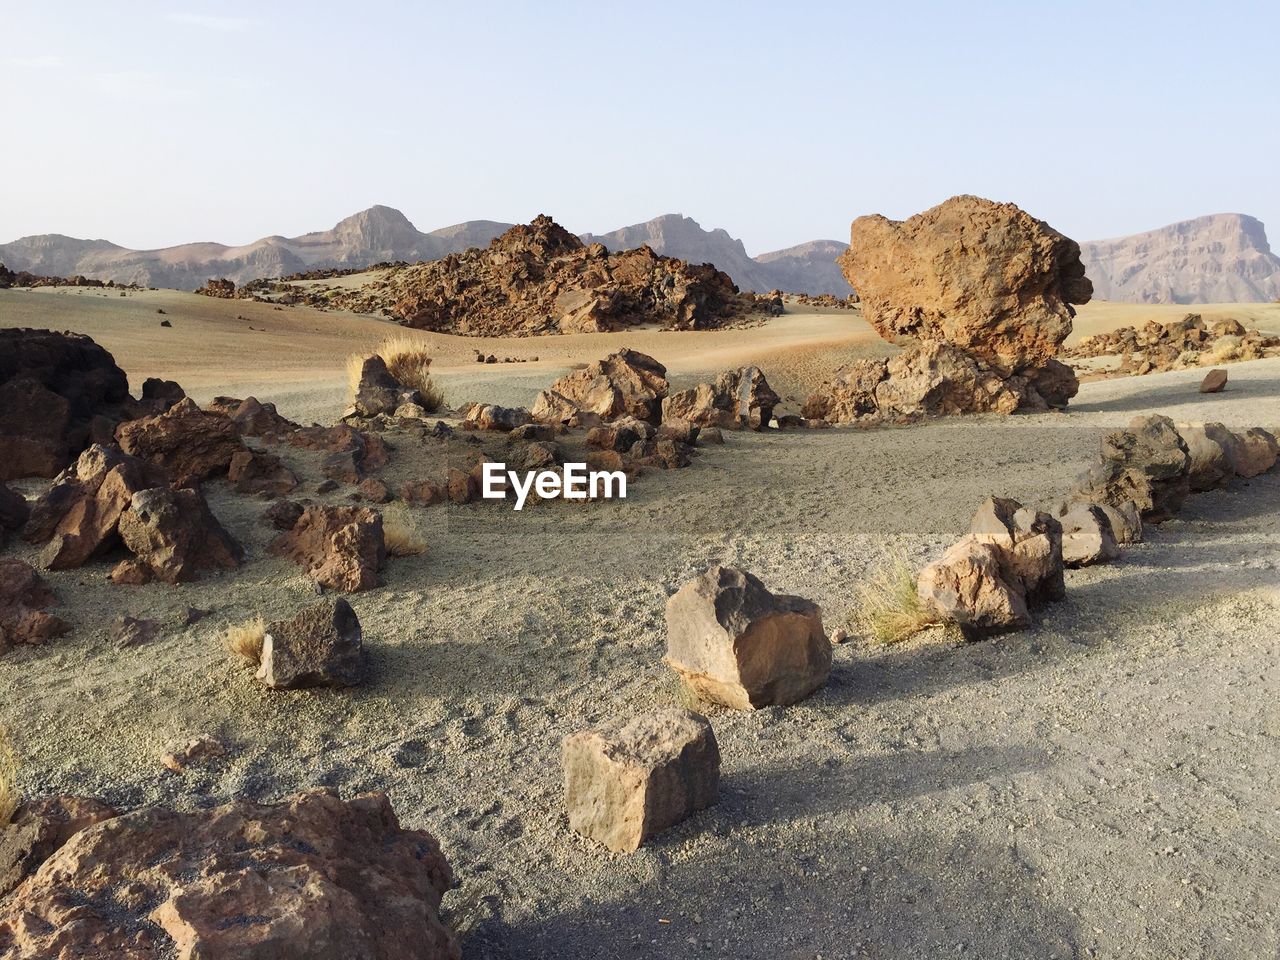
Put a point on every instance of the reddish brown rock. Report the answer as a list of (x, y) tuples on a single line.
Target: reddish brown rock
[(257, 472), (339, 547), (1029, 545), (489, 416), (374, 490), (129, 631), (14, 513), (736, 399), (201, 751), (253, 418), (39, 829), (56, 391), (735, 643), (1254, 452), (967, 586), (320, 646), (1215, 381), (423, 492), (629, 779), (626, 383), (185, 441), (24, 597), (1147, 463), (311, 878), (351, 454), (174, 535), (983, 276)]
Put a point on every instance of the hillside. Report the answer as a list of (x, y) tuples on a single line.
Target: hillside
[(1221, 258)]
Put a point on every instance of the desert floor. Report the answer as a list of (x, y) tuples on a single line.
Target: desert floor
[(1104, 784)]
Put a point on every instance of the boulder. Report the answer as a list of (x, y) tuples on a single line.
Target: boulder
[(339, 547), (39, 829), (320, 646), (939, 379), (350, 454), (159, 395), (78, 517), (1147, 463), (14, 513), (58, 393), (283, 514), (984, 277), (736, 399), (1029, 545), (256, 472), (1255, 451), (542, 432), (626, 383), (967, 586), (733, 642), (310, 878), (185, 441), (1087, 537), (24, 598), (851, 396), (620, 435), (175, 537), (489, 416), (1126, 522), (1211, 448), (253, 418), (1215, 381), (631, 778), (377, 391)]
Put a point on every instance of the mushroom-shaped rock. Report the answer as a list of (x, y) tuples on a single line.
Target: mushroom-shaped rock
[(632, 778), (735, 643), (175, 536), (967, 586), (320, 646)]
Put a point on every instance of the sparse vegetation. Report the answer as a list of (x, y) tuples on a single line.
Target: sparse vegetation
[(401, 539), (245, 639), (8, 774), (887, 608), (408, 361)]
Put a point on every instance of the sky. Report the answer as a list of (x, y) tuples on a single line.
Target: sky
[(152, 123)]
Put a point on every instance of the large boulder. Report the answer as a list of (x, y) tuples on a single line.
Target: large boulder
[(626, 383), (311, 878), (851, 395), (24, 597), (939, 379), (631, 778), (1029, 544), (174, 536), (736, 399), (1147, 463), (733, 642), (58, 393), (340, 547), (320, 646), (185, 441), (984, 276), (1255, 451), (1212, 450), (967, 586)]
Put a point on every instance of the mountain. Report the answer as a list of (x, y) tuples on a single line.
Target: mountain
[(808, 268), (1221, 258), (373, 235)]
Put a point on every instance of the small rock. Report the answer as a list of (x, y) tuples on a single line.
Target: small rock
[(200, 752), (130, 631), (1215, 381)]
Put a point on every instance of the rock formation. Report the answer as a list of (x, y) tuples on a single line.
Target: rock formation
[(340, 547), (733, 642), (184, 441), (626, 383), (736, 399), (312, 877), (1147, 464), (1176, 345), (631, 778), (24, 598), (174, 536)]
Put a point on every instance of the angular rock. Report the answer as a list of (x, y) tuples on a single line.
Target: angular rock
[(198, 752), (736, 399), (1212, 451), (983, 276), (311, 878), (129, 631), (1029, 545), (1087, 537), (283, 514), (340, 547), (320, 646), (254, 472), (626, 383), (489, 416), (14, 513), (378, 391), (185, 441), (628, 780), (56, 391), (175, 535), (24, 597), (851, 395), (38, 831), (938, 379), (1147, 463), (1215, 381), (967, 586), (1254, 452), (735, 643)]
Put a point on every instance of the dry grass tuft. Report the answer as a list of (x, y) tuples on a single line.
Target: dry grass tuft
[(409, 362), (887, 608), (8, 774), (245, 639), (401, 539)]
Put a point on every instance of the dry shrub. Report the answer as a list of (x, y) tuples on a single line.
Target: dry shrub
[(245, 639), (1225, 349), (8, 774), (887, 607), (409, 362), (400, 537)]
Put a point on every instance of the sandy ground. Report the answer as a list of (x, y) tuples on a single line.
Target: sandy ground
[(1103, 785)]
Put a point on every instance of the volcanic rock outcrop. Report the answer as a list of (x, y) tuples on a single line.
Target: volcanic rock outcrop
[(626, 383), (58, 393), (736, 399), (340, 547), (980, 294), (1176, 344), (539, 278), (313, 877)]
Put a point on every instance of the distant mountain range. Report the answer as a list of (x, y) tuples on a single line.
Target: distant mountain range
[(1219, 258)]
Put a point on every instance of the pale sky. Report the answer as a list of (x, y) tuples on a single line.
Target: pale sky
[(151, 123)]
